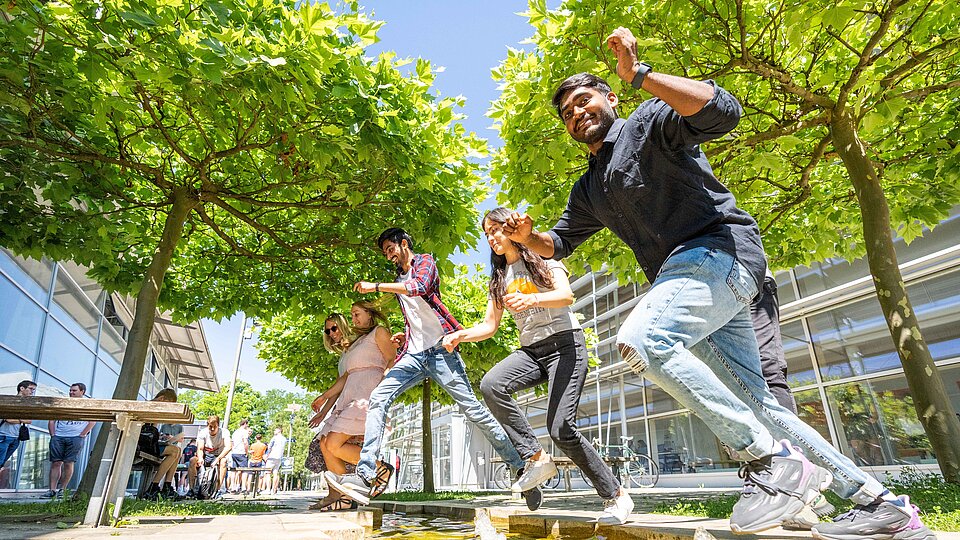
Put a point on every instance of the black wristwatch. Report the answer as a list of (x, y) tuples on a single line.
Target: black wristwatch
[(641, 73)]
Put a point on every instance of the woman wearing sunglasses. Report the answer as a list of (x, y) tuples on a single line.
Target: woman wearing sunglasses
[(366, 353)]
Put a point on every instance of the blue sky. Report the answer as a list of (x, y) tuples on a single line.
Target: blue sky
[(467, 38)]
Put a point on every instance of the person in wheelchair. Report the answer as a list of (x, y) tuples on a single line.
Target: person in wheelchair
[(213, 447)]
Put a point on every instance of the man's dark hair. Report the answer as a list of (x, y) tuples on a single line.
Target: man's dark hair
[(579, 80), (81, 386), (25, 383), (395, 235)]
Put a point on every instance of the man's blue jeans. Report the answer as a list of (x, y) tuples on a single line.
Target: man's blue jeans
[(448, 371), (693, 336), (8, 445)]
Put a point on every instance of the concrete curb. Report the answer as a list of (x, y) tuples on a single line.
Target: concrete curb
[(579, 524)]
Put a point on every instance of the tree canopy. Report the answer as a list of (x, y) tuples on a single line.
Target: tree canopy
[(289, 146), (790, 64)]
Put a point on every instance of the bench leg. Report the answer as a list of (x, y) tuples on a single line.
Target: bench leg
[(97, 504), (566, 479), (126, 451)]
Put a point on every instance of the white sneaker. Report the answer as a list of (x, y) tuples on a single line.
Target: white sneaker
[(616, 510), (534, 474), (352, 486)]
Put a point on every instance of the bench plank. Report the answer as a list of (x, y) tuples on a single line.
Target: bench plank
[(93, 410)]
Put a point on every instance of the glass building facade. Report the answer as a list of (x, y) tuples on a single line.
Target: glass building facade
[(843, 369), (59, 327)]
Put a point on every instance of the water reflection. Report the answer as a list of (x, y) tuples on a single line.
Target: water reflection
[(420, 527)]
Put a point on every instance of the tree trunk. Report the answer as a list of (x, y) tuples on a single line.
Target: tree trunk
[(427, 444), (926, 386), (138, 341)]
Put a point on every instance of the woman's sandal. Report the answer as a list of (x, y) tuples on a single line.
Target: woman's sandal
[(382, 480), (331, 498), (343, 503)]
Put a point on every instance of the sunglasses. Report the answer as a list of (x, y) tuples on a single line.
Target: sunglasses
[(331, 329)]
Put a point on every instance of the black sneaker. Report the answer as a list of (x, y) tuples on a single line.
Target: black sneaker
[(533, 497), (879, 520)]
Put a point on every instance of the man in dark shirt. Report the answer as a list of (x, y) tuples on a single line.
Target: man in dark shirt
[(692, 335)]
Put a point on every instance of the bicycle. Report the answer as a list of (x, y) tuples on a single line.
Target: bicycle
[(628, 465), (503, 479)]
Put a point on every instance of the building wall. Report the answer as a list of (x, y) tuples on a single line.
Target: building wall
[(57, 327), (844, 371)]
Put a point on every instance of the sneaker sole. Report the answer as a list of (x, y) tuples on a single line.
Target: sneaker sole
[(350, 492), (799, 518), (533, 498), (902, 535), (533, 482)]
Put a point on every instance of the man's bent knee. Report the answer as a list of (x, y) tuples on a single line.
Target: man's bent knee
[(637, 362)]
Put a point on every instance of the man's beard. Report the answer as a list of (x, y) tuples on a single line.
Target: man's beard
[(596, 133)]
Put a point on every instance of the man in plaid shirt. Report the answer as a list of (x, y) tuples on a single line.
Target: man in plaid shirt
[(421, 355)]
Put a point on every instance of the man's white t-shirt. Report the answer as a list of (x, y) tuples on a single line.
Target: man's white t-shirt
[(425, 329), (241, 440), (67, 428), (277, 444), (212, 444)]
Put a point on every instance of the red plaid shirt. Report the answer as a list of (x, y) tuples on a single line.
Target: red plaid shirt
[(425, 281)]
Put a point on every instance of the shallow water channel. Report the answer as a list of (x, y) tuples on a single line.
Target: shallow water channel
[(421, 527)]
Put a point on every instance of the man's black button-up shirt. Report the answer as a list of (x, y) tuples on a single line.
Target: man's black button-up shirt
[(651, 185)]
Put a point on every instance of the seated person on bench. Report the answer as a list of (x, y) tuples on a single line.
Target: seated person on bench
[(164, 444), (213, 447)]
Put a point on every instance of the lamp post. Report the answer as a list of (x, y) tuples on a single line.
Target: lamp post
[(292, 408), (236, 369)]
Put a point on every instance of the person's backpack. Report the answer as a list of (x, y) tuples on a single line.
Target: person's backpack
[(149, 441)]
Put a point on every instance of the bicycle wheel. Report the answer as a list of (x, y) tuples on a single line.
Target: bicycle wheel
[(643, 472), (501, 477), (586, 479), (554, 481)]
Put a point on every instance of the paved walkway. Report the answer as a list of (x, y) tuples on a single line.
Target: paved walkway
[(564, 515)]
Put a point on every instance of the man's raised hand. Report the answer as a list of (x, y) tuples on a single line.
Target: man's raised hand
[(624, 45), (518, 228)]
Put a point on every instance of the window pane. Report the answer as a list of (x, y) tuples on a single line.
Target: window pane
[(21, 320), (799, 367), (659, 401), (74, 310), (34, 276), (12, 371), (879, 422), (935, 302), (686, 445), (91, 289), (785, 292), (65, 357), (105, 382), (48, 385), (810, 410), (852, 340), (111, 345), (35, 467)]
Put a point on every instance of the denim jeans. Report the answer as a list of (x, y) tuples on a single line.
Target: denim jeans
[(8, 445), (447, 370), (693, 336), (561, 361)]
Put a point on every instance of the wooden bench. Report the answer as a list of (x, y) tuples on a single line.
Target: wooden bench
[(126, 417), (257, 471)]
